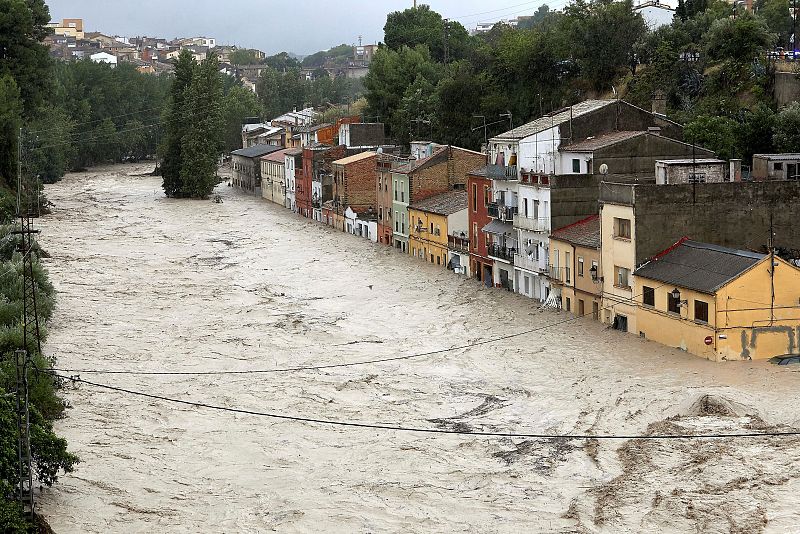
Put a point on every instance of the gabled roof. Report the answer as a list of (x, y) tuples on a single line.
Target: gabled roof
[(553, 119), (444, 204), (584, 233), (278, 156), (699, 266), (419, 164), (354, 158), (601, 141), (255, 151), (314, 128)]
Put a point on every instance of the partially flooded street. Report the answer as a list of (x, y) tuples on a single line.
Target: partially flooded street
[(147, 283)]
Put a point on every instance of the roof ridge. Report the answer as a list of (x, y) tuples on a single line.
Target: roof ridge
[(576, 223)]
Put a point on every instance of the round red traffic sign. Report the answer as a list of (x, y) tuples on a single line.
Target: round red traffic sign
[(709, 340)]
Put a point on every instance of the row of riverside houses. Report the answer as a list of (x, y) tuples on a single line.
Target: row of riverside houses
[(599, 209)]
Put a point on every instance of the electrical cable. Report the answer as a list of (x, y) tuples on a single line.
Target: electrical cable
[(400, 428), (629, 301)]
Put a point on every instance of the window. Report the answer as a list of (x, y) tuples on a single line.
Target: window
[(486, 199), (380, 213), (673, 304), (576, 165), (525, 207), (474, 236), (395, 189), (431, 229), (567, 266), (474, 197), (580, 266), (621, 277), (527, 285), (648, 296), (438, 230), (622, 228), (700, 311), (777, 166)]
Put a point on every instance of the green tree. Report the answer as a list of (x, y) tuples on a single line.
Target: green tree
[(787, 129), (778, 18), (603, 36), (755, 132), (237, 105), (48, 148), (23, 26), (714, 133), (203, 142), (243, 56), (10, 117), (177, 125), (423, 26), (740, 40), (390, 75)]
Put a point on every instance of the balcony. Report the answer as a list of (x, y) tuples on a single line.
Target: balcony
[(458, 243), (523, 261), (542, 224), (502, 212), (530, 178), (559, 275), (502, 172), (501, 252)]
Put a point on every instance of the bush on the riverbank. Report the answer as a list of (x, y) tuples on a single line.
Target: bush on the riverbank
[(49, 452)]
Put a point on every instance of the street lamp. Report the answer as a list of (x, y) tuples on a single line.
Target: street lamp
[(676, 295)]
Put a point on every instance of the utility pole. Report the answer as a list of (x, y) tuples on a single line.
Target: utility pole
[(19, 171), (30, 333), (25, 471)]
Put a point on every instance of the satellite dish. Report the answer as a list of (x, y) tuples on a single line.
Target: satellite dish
[(380, 150), (604, 169)]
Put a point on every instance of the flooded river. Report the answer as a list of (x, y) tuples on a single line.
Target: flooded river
[(150, 284)]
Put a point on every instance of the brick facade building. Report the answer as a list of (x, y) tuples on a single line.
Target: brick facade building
[(354, 182), (479, 196)]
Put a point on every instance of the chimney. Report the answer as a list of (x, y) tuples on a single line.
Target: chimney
[(659, 102), (655, 130)]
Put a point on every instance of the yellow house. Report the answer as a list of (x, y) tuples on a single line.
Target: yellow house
[(432, 220), (719, 303), (617, 262), (575, 266)]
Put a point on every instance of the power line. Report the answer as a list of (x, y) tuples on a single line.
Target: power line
[(91, 138), (498, 10), (399, 428), (320, 367), (623, 300)]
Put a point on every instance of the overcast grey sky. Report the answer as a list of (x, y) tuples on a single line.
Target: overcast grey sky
[(300, 26)]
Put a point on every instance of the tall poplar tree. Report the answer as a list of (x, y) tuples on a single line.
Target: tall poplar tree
[(177, 125), (204, 140)]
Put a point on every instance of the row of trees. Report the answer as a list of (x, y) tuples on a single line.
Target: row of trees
[(712, 68), (194, 137), (26, 84), (280, 92)]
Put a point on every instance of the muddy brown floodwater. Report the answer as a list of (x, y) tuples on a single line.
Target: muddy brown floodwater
[(146, 283)]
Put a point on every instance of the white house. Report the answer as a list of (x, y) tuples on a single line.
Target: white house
[(655, 13), (521, 162), (293, 164), (104, 57)]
